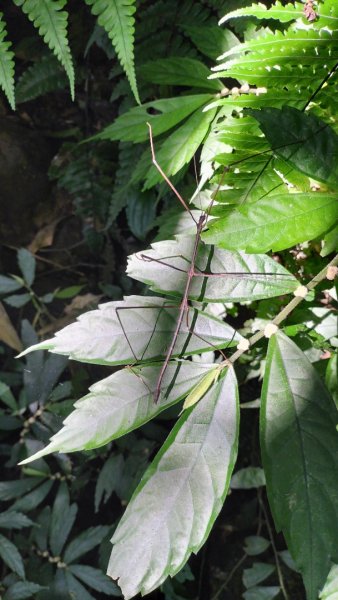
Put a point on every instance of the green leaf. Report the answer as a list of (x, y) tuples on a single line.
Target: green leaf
[(10, 519), (242, 276), (132, 125), (330, 242), (303, 140), (255, 544), (22, 590), (257, 573), (330, 589), (18, 300), (62, 520), (11, 556), (45, 75), (261, 593), (95, 579), (120, 403), (282, 12), (51, 21), (138, 330), (211, 40), (331, 377), (188, 72), (248, 478), (108, 478), (141, 212), (16, 488), (33, 499), (6, 64), (274, 223), (75, 588), (116, 17), (9, 285), (175, 505), (26, 262), (86, 541), (179, 148), (300, 452)]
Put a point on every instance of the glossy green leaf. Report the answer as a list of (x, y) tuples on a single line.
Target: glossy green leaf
[(22, 590), (179, 148), (330, 589), (26, 262), (255, 544), (281, 12), (300, 453), (62, 519), (11, 556), (83, 543), (138, 330), (164, 268), (132, 125), (120, 403), (175, 505), (188, 72), (274, 223), (95, 579), (304, 141), (257, 573)]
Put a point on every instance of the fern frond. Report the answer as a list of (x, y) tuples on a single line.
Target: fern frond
[(6, 65), (45, 75), (51, 21), (116, 17), (297, 58), (280, 12)]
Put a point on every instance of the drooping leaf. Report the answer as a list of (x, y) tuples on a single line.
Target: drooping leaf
[(184, 71), (257, 573), (6, 64), (132, 125), (179, 148), (95, 579), (302, 140), (86, 541), (109, 476), (138, 330), (62, 520), (120, 403), (274, 223), (300, 452), (242, 276), (76, 590), (51, 21), (11, 556), (45, 75), (181, 494), (22, 590), (116, 17), (330, 589)]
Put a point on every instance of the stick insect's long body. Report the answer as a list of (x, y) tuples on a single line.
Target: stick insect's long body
[(183, 306)]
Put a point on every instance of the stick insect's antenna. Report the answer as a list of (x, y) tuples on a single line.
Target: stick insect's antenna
[(166, 179)]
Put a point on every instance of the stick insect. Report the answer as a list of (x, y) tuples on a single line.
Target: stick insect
[(190, 271)]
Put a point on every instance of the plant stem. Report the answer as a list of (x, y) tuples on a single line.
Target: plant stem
[(285, 311)]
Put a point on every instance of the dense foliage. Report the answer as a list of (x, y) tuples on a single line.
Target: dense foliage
[(264, 130)]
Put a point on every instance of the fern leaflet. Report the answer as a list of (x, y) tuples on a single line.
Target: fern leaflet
[(51, 21), (6, 65), (116, 17), (45, 75)]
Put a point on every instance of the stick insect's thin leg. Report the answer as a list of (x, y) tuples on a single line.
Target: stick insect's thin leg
[(166, 179)]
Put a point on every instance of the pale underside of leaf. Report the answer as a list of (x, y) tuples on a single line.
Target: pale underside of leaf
[(242, 277), (137, 329), (120, 403), (181, 494)]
